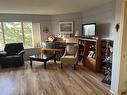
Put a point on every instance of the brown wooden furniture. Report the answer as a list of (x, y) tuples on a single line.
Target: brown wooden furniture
[(90, 51), (51, 49), (57, 52), (43, 58)]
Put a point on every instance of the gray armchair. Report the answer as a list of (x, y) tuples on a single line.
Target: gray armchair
[(70, 56)]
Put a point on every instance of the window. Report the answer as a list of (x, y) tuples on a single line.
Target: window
[(28, 34), (14, 32), (1, 37)]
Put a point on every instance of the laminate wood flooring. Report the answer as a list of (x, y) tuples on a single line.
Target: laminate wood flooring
[(53, 81)]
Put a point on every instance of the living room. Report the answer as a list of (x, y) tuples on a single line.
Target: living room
[(33, 27)]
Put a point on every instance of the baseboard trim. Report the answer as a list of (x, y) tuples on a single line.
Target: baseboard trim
[(113, 92)]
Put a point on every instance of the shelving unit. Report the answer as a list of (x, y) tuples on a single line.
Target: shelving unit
[(106, 48), (106, 60), (106, 54), (81, 49), (96, 54), (90, 53)]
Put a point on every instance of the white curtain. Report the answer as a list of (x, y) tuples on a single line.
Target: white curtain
[(36, 34)]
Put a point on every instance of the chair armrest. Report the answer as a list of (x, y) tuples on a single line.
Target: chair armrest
[(76, 55), (21, 52), (65, 52), (3, 54)]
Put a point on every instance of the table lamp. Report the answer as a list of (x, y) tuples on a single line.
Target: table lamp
[(78, 34)]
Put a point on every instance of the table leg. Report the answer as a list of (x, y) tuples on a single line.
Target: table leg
[(31, 63), (45, 65), (60, 53), (55, 59), (61, 65)]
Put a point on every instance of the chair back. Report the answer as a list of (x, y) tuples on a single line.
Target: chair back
[(13, 48), (71, 50)]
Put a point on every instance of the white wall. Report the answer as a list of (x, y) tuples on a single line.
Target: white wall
[(75, 17), (104, 17), (23, 17), (116, 56), (120, 59)]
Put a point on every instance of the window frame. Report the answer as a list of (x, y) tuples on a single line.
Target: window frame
[(22, 31), (24, 35)]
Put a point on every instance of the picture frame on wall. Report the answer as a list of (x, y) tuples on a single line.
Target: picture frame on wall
[(66, 27)]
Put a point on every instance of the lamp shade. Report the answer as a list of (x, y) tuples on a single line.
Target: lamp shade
[(78, 33)]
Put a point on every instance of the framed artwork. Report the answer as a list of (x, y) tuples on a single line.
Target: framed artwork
[(66, 27)]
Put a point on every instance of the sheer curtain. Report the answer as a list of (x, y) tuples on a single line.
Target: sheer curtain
[(36, 35)]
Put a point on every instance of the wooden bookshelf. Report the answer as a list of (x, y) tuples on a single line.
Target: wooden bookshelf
[(91, 50)]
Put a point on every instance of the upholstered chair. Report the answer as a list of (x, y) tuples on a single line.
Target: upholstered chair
[(70, 56)]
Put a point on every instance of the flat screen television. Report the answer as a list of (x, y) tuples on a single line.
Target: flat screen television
[(89, 30)]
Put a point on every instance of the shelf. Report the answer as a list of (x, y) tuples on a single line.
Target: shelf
[(81, 56), (82, 53), (91, 64), (81, 49), (89, 58), (88, 39), (81, 44)]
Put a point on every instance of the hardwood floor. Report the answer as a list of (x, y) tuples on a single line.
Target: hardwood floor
[(124, 93), (53, 81)]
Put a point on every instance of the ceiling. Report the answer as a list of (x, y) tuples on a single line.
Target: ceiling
[(47, 7)]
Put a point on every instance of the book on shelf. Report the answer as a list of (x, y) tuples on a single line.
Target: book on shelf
[(82, 54)]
